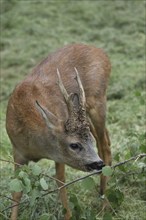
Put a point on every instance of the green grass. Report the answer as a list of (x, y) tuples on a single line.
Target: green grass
[(32, 29)]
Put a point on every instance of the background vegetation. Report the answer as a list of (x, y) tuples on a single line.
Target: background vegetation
[(30, 30)]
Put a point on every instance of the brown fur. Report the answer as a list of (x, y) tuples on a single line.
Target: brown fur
[(32, 139)]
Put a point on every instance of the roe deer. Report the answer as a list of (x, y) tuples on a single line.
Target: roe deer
[(58, 112)]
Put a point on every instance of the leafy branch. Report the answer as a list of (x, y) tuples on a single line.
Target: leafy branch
[(135, 158)]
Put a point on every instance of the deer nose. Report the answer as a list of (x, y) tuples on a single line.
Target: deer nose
[(95, 165)]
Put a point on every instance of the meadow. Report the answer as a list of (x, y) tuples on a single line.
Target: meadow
[(32, 29)]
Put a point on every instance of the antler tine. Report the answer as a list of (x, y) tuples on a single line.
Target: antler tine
[(62, 88), (82, 92), (64, 92)]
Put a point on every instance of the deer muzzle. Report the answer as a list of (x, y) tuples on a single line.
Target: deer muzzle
[(95, 166)]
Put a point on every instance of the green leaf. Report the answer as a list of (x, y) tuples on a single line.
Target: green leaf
[(36, 170), (88, 183), (115, 196), (23, 174), (16, 185), (75, 204), (107, 171), (43, 183), (73, 199), (34, 194), (27, 184), (44, 216), (26, 181)]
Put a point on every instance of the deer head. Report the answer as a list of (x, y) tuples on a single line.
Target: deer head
[(72, 138)]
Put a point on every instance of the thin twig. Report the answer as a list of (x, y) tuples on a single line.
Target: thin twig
[(77, 180), (132, 158), (8, 161), (10, 207), (94, 173), (91, 174), (105, 205), (74, 181), (53, 178), (7, 197)]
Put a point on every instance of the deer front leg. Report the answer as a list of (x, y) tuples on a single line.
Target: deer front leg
[(105, 155), (104, 145), (60, 175), (15, 205), (16, 196), (97, 117)]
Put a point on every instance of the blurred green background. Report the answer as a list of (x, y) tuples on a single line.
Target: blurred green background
[(30, 30)]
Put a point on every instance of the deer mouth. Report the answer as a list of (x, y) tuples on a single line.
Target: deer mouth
[(95, 166)]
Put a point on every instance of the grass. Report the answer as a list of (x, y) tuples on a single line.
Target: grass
[(32, 29)]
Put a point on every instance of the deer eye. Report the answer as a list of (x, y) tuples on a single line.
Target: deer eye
[(76, 146)]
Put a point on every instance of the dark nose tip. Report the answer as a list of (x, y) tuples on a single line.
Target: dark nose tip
[(95, 165)]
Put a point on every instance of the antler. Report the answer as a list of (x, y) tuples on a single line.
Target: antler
[(82, 92), (67, 97), (77, 114), (62, 88)]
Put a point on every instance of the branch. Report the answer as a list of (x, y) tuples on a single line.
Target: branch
[(8, 161), (10, 207), (95, 172), (7, 197), (76, 180), (135, 158), (53, 178), (126, 161)]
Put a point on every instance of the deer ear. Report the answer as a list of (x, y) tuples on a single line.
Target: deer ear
[(48, 116), (75, 99)]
